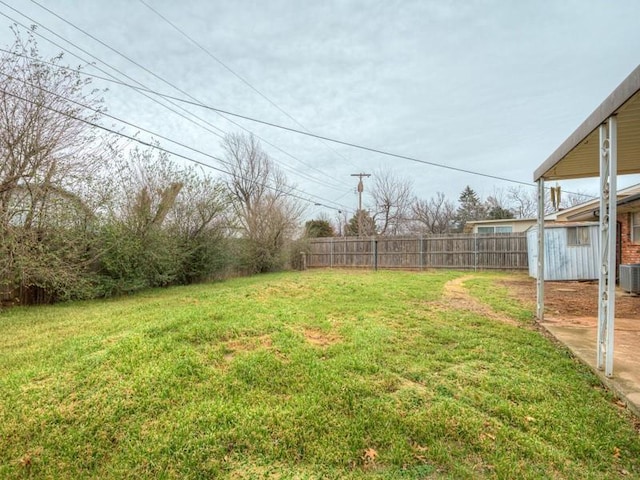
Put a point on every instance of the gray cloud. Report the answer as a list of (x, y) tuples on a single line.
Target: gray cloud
[(491, 86)]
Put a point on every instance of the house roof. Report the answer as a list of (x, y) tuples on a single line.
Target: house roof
[(578, 156), (629, 203), (577, 211), (547, 226)]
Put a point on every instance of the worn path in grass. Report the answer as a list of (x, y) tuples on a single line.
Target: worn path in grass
[(454, 294)]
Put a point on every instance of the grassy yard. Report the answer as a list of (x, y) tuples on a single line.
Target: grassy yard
[(321, 374)]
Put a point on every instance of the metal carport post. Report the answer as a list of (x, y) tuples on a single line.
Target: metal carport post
[(607, 218)]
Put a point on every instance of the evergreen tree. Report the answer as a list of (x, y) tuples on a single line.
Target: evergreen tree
[(318, 228), (470, 208), (499, 213), (361, 224)]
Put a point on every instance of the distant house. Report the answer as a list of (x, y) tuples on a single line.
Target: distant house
[(510, 225)]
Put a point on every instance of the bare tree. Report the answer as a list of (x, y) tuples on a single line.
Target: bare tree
[(47, 149), (571, 199), (434, 216), (149, 184), (199, 221), (203, 205), (49, 156), (265, 212), (524, 202), (392, 197)]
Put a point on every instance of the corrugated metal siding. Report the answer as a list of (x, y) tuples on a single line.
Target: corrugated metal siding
[(564, 262)]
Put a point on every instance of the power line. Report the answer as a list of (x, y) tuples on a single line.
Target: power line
[(139, 65), (301, 132), (159, 148), (235, 74), (282, 127), (353, 145), (155, 134), (113, 78), (140, 89), (252, 119), (113, 117)]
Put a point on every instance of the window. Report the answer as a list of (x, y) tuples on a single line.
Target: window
[(507, 229), (635, 227), (577, 236)]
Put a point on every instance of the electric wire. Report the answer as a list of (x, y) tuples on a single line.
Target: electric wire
[(172, 85), (142, 87), (194, 102), (165, 150), (113, 78), (237, 75), (330, 139), (154, 134)]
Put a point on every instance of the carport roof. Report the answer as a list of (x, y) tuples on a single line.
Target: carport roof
[(578, 156)]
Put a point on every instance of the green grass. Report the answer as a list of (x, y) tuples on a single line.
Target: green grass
[(485, 288), (321, 374)]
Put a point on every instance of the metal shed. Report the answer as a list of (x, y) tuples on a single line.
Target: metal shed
[(571, 251)]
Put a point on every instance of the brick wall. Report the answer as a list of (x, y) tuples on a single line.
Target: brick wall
[(630, 251)]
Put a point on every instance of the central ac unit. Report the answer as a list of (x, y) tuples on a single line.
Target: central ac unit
[(630, 277)]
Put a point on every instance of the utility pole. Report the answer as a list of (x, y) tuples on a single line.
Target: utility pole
[(360, 187), (360, 190)]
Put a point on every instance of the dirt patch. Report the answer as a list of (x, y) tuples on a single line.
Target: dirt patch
[(320, 338), (570, 299), (406, 384), (454, 294), (246, 344)]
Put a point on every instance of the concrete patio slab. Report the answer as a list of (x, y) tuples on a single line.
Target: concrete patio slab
[(579, 334)]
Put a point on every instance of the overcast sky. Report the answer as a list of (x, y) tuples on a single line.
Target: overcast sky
[(489, 86)]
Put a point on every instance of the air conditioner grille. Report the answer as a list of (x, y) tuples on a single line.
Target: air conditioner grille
[(630, 277)]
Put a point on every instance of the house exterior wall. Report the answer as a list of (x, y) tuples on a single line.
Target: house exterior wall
[(516, 227), (563, 261), (630, 252)]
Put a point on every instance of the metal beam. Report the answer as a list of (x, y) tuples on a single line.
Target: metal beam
[(540, 265), (607, 278)]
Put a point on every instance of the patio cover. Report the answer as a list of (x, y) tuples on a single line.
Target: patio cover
[(606, 145), (578, 156)]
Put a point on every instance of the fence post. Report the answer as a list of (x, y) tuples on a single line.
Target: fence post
[(421, 253), (375, 254), (331, 253), (475, 252), (304, 260)]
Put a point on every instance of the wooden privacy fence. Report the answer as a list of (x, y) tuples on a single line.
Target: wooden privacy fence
[(506, 251)]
